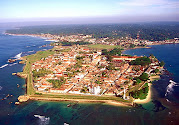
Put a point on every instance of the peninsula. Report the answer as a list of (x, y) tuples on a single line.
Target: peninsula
[(86, 73)]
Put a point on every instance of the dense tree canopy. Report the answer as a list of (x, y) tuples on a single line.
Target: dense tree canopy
[(162, 63), (144, 77), (141, 61), (65, 43), (40, 73), (142, 93), (115, 51), (57, 82)]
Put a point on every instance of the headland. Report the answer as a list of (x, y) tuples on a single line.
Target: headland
[(86, 74)]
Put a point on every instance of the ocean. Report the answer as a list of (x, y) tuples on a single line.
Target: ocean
[(162, 110)]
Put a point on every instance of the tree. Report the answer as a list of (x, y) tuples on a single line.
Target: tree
[(104, 52), (138, 81), (109, 58), (156, 70), (98, 82), (162, 63), (57, 82), (126, 82), (59, 62), (132, 46), (144, 77), (103, 74), (152, 56), (115, 51), (110, 67), (141, 61)]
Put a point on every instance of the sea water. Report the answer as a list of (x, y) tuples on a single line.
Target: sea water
[(157, 112)]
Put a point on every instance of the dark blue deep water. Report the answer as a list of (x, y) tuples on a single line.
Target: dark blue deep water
[(170, 55), (157, 112)]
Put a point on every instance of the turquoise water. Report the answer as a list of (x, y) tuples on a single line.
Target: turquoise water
[(158, 112)]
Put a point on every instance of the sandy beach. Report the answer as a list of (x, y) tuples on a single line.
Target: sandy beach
[(148, 98)]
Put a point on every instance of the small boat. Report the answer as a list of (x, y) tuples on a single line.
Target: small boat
[(68, 105), (17, 103)]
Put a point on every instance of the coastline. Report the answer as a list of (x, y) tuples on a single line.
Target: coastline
[(45, 38), (110, 102), (80, 100), (147, 99), (147, 47), (149, 95)]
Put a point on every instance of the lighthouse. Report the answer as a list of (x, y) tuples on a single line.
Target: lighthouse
[(138, 35)]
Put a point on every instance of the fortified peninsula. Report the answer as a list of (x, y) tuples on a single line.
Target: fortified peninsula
[(76, 71)]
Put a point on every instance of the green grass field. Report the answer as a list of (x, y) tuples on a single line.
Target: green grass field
[(100, 46)]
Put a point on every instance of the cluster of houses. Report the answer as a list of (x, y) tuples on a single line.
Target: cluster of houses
[(125, 42), (85, 72)]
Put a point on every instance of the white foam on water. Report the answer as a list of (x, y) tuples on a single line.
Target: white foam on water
[(43, 120), (3, 66), (12, 64), (0, 87), (18, 56), (168, 100), (170, 87), (30, 51)]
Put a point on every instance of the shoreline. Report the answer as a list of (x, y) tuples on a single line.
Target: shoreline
[(45, 38), (147, 47), (108, 102), (147, 99)]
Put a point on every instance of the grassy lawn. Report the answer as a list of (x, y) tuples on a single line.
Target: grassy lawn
[(100, 46), (30, 59), (83, 97)]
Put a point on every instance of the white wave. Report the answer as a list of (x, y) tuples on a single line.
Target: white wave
[(18, 56), (30, 51), (43, 120), (27, 46), (170, 87), (12, 64), (3, 66), (0, 87), (44, 49), (168, 100)]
